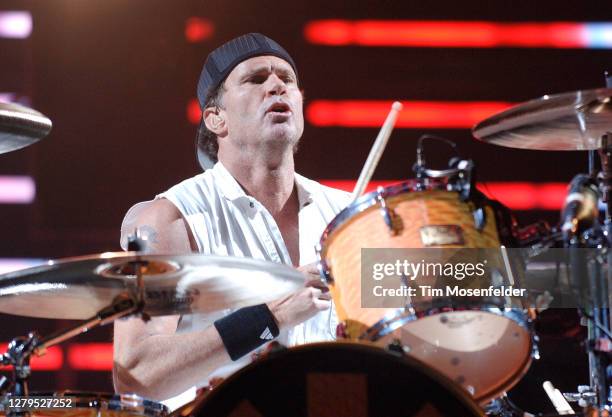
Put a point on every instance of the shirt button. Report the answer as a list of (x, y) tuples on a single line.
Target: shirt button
[(251, 204)]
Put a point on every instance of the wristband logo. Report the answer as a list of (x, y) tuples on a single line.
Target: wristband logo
[(266, 335)]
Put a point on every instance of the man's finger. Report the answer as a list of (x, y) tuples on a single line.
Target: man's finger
[(323, 304), (325, 296)]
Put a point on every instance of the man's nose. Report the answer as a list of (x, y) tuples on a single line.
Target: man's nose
[(276, 86)]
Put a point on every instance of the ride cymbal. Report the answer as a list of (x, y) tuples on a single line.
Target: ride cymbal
[(561, 122)]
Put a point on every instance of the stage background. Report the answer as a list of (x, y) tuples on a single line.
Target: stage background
[(117, 78)]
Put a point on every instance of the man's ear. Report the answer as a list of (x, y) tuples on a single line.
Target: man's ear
[(214, 121)]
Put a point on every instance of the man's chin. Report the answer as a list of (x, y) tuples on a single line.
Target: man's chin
[(283, 133)]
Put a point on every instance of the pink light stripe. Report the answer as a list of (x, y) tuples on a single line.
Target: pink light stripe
[(16, 189), (15, 264), (15, 24), (7, 97)]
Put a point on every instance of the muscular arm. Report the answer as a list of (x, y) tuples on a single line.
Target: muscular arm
[(151, 359)]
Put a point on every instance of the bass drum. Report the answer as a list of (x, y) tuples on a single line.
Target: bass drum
[(340, 379)]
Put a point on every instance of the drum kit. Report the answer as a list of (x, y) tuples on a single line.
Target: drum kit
[(438, 358)]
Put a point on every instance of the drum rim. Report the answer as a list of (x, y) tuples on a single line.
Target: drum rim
[(516, 315), (366, 201), (128, 402), (403, 315), (458, 392)]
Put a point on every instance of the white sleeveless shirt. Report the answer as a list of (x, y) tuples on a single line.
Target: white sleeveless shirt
[(224, 220)]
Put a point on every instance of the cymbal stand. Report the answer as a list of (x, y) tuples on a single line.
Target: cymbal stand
[(594, 303), (21, 349)]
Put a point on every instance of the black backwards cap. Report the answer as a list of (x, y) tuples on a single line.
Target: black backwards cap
[(222, 61)]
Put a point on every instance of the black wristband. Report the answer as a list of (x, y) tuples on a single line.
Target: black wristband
[(246, 329)]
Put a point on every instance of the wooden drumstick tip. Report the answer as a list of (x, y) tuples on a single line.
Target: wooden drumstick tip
[(397, 106)]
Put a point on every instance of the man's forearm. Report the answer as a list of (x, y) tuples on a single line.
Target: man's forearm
[(161, 366)]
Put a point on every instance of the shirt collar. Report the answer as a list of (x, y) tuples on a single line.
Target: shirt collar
[(229, 186), (233, 191)]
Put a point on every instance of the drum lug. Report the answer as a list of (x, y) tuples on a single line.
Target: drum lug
[(322, 266), (479, 218), (397, 347), (387, 214), (535, 350)]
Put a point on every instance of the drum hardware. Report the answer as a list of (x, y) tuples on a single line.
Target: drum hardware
[(504, 407), (460, 176), (537, 237), (21, 349), (585, 397), (88, 404), (322, 266), (420, 166), (430, 333), (21, 126), (397, 346), (388, 215), (578, 120)]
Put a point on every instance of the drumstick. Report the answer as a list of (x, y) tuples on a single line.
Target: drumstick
[(377, 149), (555, 396)]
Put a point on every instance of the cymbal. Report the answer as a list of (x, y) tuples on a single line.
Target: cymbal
[(21, 126), (560, 122), (77, 288)]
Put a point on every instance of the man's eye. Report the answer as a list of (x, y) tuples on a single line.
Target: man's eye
[(258, 79)]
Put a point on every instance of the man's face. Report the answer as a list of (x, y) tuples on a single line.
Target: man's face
[(262, 103)]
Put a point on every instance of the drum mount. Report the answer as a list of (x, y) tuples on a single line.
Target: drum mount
[(21, 349), (460, 175)]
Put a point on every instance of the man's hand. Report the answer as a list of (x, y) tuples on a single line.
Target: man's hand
[(304, 304)]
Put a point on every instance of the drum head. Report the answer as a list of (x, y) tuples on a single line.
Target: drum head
[(337, 379)]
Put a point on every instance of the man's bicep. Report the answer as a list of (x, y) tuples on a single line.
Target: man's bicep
[(163, 228)]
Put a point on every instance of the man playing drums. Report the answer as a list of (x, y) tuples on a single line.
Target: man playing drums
[(250, 204)]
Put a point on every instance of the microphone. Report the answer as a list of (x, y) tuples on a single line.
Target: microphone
[(581, 206)]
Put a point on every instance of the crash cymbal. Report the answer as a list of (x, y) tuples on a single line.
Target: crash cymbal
[(21, 126), (560, 122), (77, 288)]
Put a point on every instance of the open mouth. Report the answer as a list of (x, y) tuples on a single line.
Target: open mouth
[(279, 108)]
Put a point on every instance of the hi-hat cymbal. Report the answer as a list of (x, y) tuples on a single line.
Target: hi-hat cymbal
[(560, 122), (21, 126), (77, 288)]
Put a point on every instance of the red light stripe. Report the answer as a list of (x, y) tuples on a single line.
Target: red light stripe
[(475, 34), (198, 29), (372, 113), (415, 114), (515, 195), (91, 356), (52, 360), (194, 114)]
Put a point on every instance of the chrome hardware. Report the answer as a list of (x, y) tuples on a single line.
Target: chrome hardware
[(387, 214), (322, 266)]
